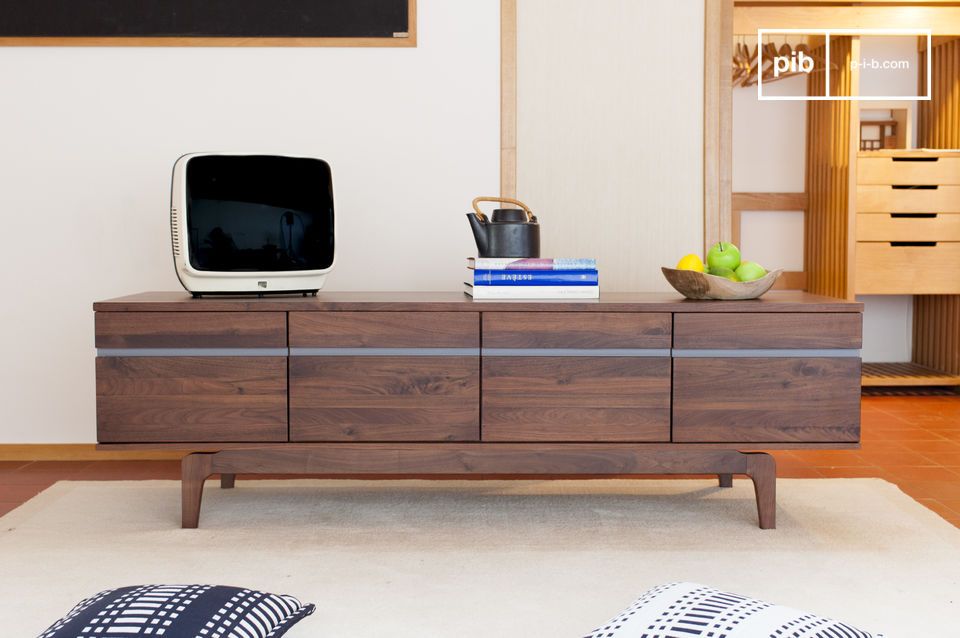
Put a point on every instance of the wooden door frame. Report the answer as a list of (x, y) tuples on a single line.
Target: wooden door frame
[(717, 114)]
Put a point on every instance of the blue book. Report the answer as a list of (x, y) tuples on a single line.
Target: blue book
[(535, 278)]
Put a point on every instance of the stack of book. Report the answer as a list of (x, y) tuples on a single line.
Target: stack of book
[(511, 278)]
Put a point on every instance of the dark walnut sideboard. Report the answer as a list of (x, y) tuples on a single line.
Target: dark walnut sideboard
[(438, 384)]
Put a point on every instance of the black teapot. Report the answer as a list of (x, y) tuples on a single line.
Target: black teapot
[(510, 232)]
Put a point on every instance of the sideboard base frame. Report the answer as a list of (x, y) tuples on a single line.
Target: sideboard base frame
[(477, 458)]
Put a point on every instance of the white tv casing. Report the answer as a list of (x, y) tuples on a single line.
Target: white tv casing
[(199, 281)]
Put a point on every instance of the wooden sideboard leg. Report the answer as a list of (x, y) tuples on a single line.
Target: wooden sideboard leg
[(194, 469), (762, 470), (227, 481), (726, 480)]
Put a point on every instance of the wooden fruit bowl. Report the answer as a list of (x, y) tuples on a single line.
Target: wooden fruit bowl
[(697, 285)]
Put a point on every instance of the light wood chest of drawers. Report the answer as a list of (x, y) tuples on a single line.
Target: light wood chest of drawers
[(908, 223)]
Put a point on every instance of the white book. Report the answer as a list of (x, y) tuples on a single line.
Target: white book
[(532, 292)]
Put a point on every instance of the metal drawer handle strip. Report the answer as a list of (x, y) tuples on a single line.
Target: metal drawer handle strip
[(191, 352), (472, 352), (384, 352), (576, 352), (768, 353)]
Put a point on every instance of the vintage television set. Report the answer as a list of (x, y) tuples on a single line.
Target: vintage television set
[(251, 223)]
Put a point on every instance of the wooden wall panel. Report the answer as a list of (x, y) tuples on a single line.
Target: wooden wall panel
[(828, 247), (508, 98), (610, 138), (805, 14), (936, 318), (717, 123)]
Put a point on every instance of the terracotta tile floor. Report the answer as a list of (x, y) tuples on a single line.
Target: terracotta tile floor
[(911, 441)]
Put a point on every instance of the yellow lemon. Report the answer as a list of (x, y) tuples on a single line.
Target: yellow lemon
[(691, 262)]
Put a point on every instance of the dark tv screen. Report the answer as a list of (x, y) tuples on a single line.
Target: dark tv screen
[(248, 213)]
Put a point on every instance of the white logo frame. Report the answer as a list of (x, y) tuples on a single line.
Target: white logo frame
[(847, 98)]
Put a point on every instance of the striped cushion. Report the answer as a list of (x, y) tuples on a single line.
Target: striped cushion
[(181, 611), (688, 610)]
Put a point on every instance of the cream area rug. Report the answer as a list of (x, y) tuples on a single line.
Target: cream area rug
[(465, 559)]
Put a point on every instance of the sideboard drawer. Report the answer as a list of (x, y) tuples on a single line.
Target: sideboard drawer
[(708, 331), (576, 330), (903, 170), (384, 330), (191, 329), (898, 227), (886, 199), (384, 398), (191, 399), (885, 269), (766, 400), (559, 398)]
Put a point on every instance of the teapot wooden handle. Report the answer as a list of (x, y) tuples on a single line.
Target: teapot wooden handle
[(505, 200)]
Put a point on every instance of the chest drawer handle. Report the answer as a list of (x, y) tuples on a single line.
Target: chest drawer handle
[(915, 159), (897, 244), (913, 215), (914, 187)]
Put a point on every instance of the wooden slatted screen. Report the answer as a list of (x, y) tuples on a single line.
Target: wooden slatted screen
[(936, 332), (827, 249), (936, 318), (938, 120)]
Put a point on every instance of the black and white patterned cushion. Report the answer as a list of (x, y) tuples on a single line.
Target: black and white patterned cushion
[(180, 611), (689, 610)]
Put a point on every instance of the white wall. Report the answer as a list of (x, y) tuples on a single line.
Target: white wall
[(770, 138), (89, 136), (887, 327)]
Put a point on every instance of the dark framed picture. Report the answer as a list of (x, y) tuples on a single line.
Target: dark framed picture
[(382, 23)]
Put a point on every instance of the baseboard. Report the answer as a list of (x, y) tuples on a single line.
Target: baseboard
[(80, 452)]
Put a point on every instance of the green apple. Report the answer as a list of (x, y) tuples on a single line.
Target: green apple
[(750, 270), (726, 273), (723, 255)]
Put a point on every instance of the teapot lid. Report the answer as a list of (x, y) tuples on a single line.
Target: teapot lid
[(508, 215)]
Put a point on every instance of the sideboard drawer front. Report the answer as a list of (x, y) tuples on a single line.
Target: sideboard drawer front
[(191, 329), (576, 399), (766, 400), (714, 331), (191, 399), (889, 170), (384, 329), (885, 269), (576, 330), (886, 199), (888, 227), (384, 398)]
